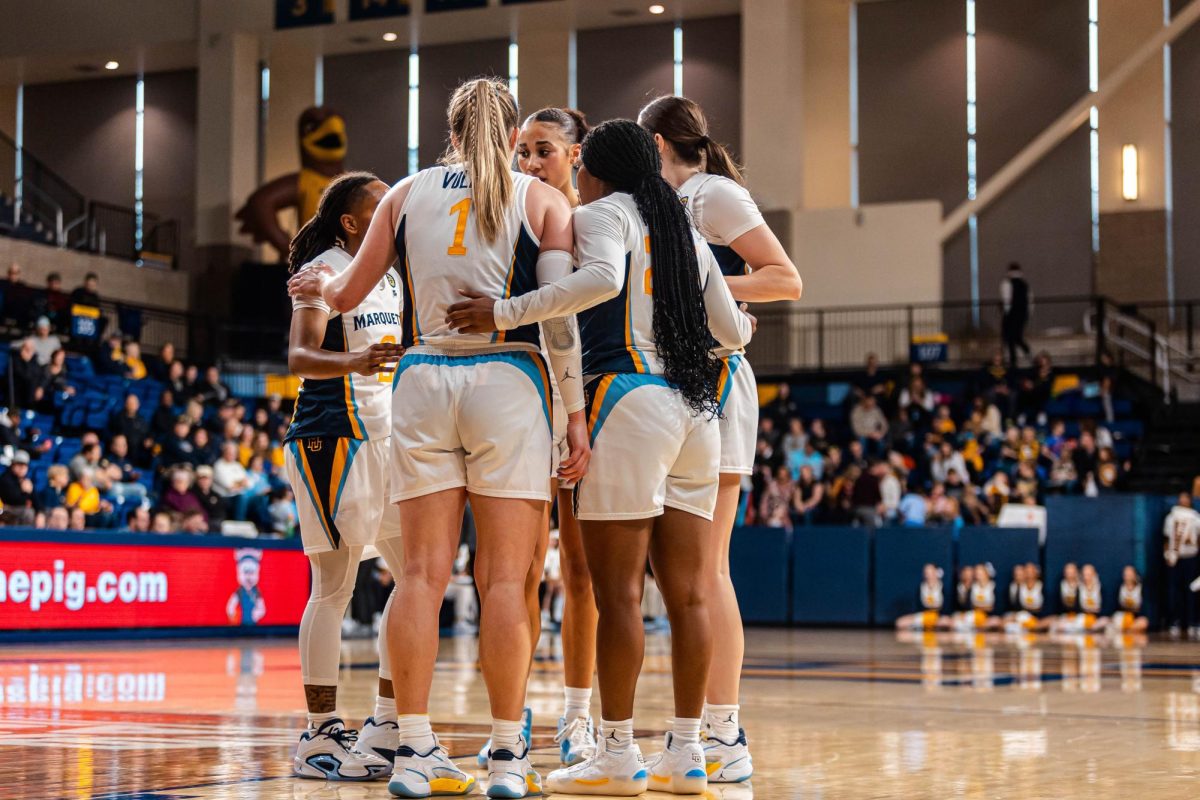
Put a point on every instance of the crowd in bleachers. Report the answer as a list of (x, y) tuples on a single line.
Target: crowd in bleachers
[(98, 435), (913, 449)]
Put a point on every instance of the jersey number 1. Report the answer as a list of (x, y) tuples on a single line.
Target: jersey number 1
[(462, 208)]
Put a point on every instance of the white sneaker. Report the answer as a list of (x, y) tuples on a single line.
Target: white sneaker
[(427, 774), (607, 773), (678, 769), (1174, 632), (328, 754), (727, 762), (511, 775), (576, 740), (379, 739), (481, 758)]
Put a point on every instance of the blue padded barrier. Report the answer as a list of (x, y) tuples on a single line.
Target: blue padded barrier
[(759, 565), (1003, 548), (900, 554), (831, 575)]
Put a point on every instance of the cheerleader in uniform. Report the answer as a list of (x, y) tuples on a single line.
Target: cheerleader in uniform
[(1068, 596), (1091, 601), (1030, 602), (1128, 618), (932, 598)]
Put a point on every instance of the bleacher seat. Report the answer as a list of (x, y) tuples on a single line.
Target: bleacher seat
[(80, 367)]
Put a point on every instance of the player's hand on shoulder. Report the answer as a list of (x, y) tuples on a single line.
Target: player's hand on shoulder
[(475, 314), (308, 282), (379, 357)]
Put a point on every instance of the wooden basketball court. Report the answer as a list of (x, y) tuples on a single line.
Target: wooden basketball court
[(830, 714)]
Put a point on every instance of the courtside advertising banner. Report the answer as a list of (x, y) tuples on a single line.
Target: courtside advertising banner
[(65, 582)]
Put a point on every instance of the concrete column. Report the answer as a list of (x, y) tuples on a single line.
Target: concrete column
[(826, 55), (226, 154), (544, 41), (773, 48), (293, 61)]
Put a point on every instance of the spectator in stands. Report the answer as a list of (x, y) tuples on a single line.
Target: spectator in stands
[(56, 382), (1086, 458), (110, 358), (960, 490), (872, 382), (213, 503), (193, 522), (177, 498), (58, 519), (177, 380), (231, 481), (159, 367), (259, 474), (912, 509), (1016, 300), (919, 401), (807, 496), (1035, 389), (78, 521), (810, 458), (129, 423), (996, 493), (18, 297), (229, 411), (162, 523), (774, 510), (993, 382), (16, 491), (262, 420), (282, 511), (1025, 485), (84, 496), (781, 408), (793, 440), (866, 499), (119, 470), (87, 459), (139, 520), (854, 455), (275, 409), (943, 422), (869, 425), (163, 421), (890, 491), (946, 460), (818, 437), (903, 435), (45, 343), (54, 493), (204, 452), (133, 360), (1108, 470), (87, 294), (29, 378), (942, 509), (210, 389), (768, 431), (53, 304), (178, 447)]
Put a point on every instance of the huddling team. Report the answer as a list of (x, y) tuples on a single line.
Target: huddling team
[(424, 318), (974, 602)]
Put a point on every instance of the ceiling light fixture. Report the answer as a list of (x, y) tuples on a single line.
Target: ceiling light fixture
[(658, 8), (390, 37), (111, 65)]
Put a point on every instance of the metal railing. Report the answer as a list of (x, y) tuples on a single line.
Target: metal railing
[(1076, 331), (40, 195)]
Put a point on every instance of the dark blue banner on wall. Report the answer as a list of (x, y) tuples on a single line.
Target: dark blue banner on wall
[(453, 5), (377, 9), (300, 13)]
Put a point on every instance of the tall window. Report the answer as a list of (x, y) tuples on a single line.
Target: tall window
[(513, 62), (1094, 116), (854, 197), (139, 148), (972, 163), (414, 102), (1168, 184), (19, 167), (679, 60)]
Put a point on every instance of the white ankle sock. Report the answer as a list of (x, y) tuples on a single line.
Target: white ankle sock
[(416, 732), (723, 720), (685, 730), (506, 735), (579, 703), (385, 709), (617, 734), (317, 720)]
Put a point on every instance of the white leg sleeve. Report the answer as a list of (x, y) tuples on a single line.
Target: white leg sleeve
[(333, 575), (393, 557)]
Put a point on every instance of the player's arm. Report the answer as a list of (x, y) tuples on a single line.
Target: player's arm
[(343, 292), (308, 359), (732, 215), (728, 323)]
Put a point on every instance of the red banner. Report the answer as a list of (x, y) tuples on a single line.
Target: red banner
[(55, 585)]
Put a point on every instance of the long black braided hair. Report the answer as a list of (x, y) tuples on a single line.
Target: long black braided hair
[(325, 229), (624, 156)]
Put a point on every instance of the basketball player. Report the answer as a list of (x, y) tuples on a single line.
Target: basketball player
[(757, 269), (1128, 618), (471, 416), (336, 458), (1181, 544), (548, 149), (932, 600), (652, 485)]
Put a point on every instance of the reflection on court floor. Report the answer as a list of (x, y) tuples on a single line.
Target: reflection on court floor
[(831, 714)]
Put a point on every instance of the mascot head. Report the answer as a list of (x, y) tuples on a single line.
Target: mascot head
[(322, 134)]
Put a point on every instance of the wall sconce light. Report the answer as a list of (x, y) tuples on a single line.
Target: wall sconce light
[(1129, 172)]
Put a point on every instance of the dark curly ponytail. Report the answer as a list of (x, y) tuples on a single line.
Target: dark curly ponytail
[(624, 156), (325, 230)]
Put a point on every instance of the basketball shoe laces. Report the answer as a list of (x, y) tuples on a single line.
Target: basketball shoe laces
[(345, 737)]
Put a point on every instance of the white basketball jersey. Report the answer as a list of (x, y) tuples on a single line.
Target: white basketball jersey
[(442, 251), (1182, 531), (353, 406), (722, 210)]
